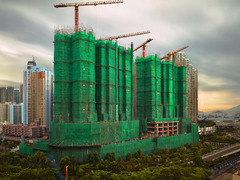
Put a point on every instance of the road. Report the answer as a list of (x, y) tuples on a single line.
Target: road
[(221, 152)]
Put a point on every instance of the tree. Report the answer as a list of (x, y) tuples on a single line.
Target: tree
[(128, 156), (110, 156), (119, 158), (96, 158), (40, 161), (90, 159), (63, 163), (162, 151), (197, 160), (138, 154)]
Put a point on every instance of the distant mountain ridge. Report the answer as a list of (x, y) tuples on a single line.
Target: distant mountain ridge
[(6, 83), (231, 111)]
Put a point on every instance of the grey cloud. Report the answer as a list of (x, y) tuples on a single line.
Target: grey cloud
[(23, 29), (210, 28)]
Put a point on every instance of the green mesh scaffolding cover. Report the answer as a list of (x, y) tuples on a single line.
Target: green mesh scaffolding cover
[(93, 100), (149, 100)]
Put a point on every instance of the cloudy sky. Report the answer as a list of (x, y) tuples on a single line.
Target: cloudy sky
[(210, 28)]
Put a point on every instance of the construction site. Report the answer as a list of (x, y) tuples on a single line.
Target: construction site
[(106, 100)]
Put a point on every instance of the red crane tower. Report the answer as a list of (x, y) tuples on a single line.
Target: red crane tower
[(170, 55), (76, 5), (143, 45)]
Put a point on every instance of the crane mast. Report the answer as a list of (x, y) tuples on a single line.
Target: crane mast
[(76, 5)]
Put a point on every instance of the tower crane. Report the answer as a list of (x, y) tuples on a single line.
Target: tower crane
[(76, 5), (143, 45), (170, 55), (125, 35)]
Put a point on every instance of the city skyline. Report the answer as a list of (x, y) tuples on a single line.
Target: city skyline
[(209, 28)]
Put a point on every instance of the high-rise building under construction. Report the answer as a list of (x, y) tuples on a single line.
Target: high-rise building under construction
[(37, 95), (93, 101), (166, 95)]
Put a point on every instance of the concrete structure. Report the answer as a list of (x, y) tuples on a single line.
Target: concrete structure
[(16, 113), (162, 128), (3, 94), (37, 95)]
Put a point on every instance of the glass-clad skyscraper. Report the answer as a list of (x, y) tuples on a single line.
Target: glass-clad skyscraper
[(37, 95)]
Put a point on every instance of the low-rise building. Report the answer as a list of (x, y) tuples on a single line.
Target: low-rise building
[(28, 131), (206, 130)]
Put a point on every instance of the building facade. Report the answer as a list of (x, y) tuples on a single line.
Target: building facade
[(3, 94), (21, 94), (10, 94), (17, 96), (206, 130), (16, 113), (28, 131), (4, 113), (37, 95)]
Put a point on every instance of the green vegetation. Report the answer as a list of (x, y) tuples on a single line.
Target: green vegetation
[(204, 123), (217, 137), (182, 163), (225, 129), (10, 144), (14, 166), (179, 163)]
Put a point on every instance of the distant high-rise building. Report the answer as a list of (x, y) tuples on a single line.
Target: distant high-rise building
[(5, 112), (37, 95), (16, 113), (17, 96), (3, 94), (10, 94), (21, 94), (31, 64)]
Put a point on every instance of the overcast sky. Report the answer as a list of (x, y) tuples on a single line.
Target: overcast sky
[(210, 28)]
